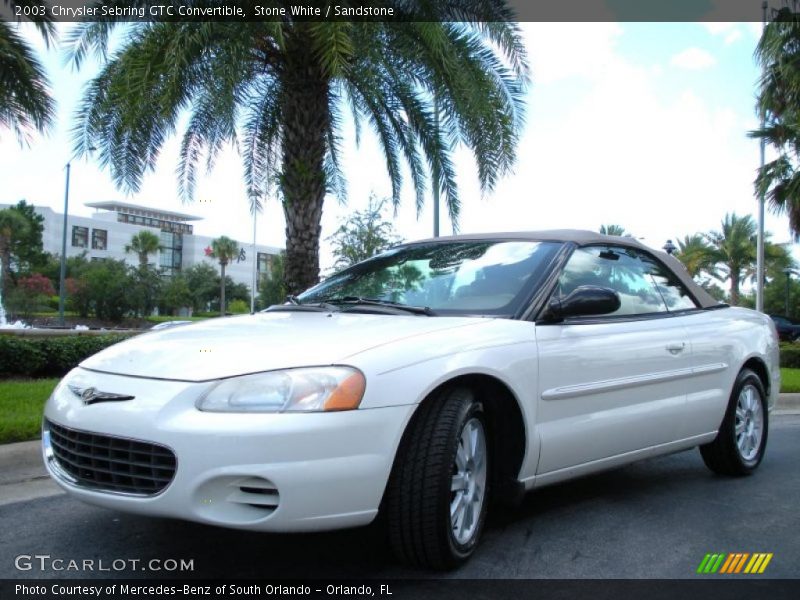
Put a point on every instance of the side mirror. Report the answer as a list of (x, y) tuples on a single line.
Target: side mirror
[(583, 301)]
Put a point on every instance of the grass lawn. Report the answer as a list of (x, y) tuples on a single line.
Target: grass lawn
[(21, 405), (790, 380)]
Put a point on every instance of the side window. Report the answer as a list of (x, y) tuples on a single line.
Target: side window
[(675, 294), (626, 271)]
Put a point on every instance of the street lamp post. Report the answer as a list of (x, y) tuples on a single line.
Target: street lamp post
[(436, 174), (63, 266), (669, 247), (788, 272), (255, 266), (63, 270), (761, 202)]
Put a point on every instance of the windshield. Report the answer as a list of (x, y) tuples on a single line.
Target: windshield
[(466, 277)]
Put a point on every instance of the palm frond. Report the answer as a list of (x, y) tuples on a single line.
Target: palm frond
[(25, 102)]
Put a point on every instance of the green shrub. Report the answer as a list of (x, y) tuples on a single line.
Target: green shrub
[(18, 356), (238, 307), (49, 356), (790, 356)]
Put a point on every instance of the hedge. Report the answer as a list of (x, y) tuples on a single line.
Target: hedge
[(49, 356), (790, 356)]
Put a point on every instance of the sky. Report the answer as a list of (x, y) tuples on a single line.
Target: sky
[(638, 124)]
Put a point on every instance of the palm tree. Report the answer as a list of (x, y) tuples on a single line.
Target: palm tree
[(25, 102), (697, 256), (733, 251), (224, 249), (144, 244), (362, 235), (281, 89), (613, 230), (778, 104), (733, 248)]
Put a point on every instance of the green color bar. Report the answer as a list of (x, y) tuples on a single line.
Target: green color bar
[(703, 563), (711, 562), (718, 564)]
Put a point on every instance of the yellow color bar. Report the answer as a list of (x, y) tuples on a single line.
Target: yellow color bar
[(765, 563), (754, 562)]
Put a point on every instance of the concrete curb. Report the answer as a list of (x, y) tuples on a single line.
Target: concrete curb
[(22, 473), (788, 401)]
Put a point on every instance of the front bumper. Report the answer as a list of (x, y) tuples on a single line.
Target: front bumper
[(268, 472)]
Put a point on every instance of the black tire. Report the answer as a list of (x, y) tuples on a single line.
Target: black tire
[(724, 455), (419, 493)]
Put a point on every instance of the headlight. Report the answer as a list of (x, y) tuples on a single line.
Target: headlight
[(291, 390)]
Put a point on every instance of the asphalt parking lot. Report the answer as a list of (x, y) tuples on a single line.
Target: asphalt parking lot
[(654, 519)]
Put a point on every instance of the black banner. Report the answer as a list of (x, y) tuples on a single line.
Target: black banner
[(388, 589), (386, 10)]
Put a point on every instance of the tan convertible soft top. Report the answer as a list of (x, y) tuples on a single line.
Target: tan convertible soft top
[(590, 238)]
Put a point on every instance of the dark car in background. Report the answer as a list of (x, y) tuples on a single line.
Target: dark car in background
[(788, 329)]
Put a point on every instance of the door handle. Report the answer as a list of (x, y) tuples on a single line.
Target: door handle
[(676, 347)]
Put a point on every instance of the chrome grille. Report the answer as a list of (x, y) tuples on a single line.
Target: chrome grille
[(109, 463)]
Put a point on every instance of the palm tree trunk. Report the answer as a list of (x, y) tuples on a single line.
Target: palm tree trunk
[(222, 291), (306, 121), (734, 288)]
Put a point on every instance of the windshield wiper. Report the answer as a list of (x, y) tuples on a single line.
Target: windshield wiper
[(360, 301), (293, 303)]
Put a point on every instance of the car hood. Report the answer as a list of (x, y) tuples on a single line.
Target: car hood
[(248, 344)]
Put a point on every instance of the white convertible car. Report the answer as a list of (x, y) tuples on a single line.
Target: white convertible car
[(421, 383)]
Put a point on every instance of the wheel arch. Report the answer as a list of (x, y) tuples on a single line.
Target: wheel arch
[(759, 367), (506, 424)]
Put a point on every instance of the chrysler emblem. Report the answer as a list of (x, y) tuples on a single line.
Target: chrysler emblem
[(92, 395)]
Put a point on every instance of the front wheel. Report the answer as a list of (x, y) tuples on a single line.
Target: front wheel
[(438, 491), (742, 438)]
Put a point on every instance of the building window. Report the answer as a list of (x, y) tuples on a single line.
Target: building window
[(80, 237), (99, 239), (264, 267), (171, 257)]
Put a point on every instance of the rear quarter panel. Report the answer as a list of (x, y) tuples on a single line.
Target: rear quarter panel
[(728, 337)]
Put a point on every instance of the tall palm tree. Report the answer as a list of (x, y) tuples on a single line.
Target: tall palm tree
[(733, 249), (613, 230), (778, 54), (281, 90), (224, 249), (697, 256), (144, 244), (25, 102)]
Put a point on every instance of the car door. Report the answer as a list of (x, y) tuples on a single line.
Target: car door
[(614, 384)]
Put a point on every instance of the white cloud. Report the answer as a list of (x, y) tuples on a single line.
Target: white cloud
[(733, 31), (693, 59), (719, 28), (732, 37), (562, 50)]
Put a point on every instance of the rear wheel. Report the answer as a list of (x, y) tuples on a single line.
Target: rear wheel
[(438, 492), (742, 438)]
